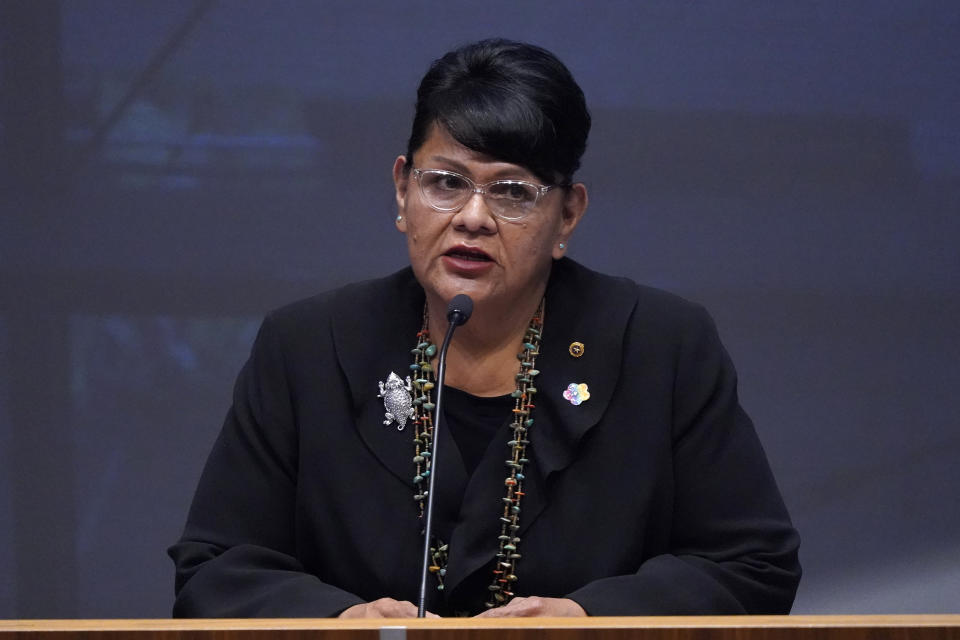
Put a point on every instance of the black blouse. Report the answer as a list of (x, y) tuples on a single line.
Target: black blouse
[(472, 421)]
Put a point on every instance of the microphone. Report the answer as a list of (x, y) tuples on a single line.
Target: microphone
[(458, 312), (460, 309)]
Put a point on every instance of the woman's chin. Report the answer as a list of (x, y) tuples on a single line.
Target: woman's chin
[(479, 289)]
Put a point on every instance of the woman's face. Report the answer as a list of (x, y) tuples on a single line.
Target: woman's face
[(471, 251)]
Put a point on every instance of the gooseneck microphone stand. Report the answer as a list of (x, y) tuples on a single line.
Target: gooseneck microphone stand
[(458, 312)]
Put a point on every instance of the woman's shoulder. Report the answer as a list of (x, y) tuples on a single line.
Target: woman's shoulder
[(600, 291), (346, 303), (650, 321), (354, 295)]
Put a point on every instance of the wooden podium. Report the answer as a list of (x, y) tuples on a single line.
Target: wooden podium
[(929, 627)]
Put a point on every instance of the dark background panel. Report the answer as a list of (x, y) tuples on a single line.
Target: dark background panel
[(172, 170)]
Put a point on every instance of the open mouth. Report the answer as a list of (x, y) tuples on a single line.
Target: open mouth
[(468, 253)]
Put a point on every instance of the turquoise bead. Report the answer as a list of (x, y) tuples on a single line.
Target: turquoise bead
[(422, 370)]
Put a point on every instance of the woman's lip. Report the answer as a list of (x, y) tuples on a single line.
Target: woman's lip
[(464, 249), (465, 266)]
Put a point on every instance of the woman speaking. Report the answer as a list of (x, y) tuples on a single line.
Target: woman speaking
[(595, 459)]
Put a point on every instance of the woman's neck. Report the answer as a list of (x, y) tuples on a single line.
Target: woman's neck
[(482, 358)]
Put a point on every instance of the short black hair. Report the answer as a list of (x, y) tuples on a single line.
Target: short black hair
[(513, 101)]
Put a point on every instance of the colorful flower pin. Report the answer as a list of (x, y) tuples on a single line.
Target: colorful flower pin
[(577, 393)]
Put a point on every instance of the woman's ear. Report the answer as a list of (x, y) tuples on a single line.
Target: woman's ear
[(575, 202), (401, 181)]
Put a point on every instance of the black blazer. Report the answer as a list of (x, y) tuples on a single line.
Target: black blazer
[(652, 497)]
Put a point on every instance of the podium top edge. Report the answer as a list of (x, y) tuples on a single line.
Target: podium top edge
[(641, 622)]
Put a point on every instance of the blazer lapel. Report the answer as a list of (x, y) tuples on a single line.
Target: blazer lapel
[(581, 306), (374, 329)]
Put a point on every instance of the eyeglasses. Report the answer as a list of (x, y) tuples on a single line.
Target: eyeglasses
[(508, 199)]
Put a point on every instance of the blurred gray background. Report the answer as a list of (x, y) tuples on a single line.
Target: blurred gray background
[(173, 169)]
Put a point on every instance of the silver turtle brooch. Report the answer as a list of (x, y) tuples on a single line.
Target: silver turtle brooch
[(396, 400)]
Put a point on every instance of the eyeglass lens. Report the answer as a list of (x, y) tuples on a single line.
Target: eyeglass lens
[(450, 191)]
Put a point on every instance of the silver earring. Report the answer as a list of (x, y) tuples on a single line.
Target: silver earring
[(399, 218), (563, 246)]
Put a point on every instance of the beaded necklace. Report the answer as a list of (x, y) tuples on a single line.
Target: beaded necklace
[(505, 568)]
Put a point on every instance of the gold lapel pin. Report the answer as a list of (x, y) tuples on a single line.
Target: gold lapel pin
[(576, 349)]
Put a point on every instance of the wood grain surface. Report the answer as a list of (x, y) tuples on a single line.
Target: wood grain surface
[(926, 627)]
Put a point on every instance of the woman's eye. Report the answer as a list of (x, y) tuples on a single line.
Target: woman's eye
[(514, 192), (451, 183), (517, 192)]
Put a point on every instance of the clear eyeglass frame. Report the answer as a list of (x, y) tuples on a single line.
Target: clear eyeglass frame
[(497, 205)]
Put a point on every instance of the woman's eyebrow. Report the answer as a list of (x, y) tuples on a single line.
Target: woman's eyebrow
[(459, 166), (513, 171)]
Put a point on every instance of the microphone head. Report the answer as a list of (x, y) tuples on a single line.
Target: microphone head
[(459, 309)]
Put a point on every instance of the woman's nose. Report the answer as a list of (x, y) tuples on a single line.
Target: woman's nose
[(475, 216)]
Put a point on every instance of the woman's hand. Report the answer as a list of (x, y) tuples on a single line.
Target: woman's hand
[(536, 606), (384, 608)]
